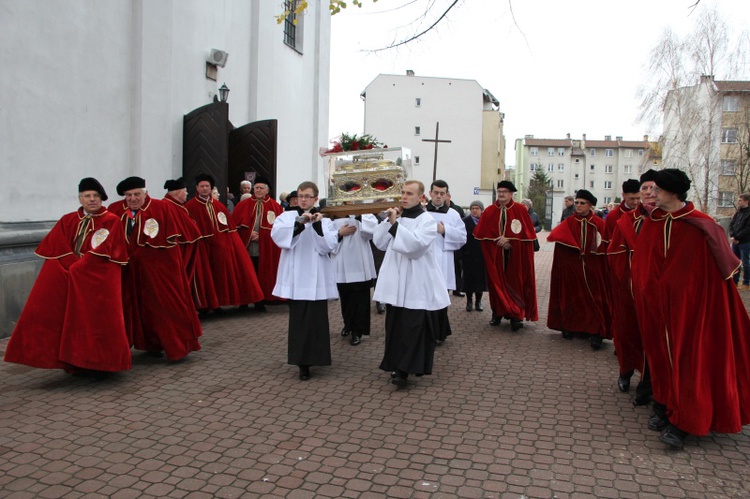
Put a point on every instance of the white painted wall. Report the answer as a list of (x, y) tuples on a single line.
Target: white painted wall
[(93, 88), (391, 115)]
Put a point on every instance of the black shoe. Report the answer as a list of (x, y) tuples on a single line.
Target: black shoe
[(674, 437), (469, 306), (439, 342), (567, 335), (356, 340), (658, 421), (623, 383), (344, 332), (478, 307), (260, 307), (496, 320), (596, 342), (156, 354), (243, 307), (380, 307), (399, 379), (304, 373), (459, 293), (641, 399), (516, 324), (218, 311)]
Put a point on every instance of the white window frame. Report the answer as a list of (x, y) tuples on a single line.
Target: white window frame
[(560, 167), (550, 151), (726, 199), (627, 169), (609, 153), (731, 104), (628, 153), (560, 183), (607, 184), (417, 130), (561, 151), (533, 151), (591, 184), (550, 167), (728, 135), (728, 167), (416, 160), (609, 168), (418, 102), (593, 152)]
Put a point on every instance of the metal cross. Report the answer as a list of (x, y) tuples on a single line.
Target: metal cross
[(436, 140)]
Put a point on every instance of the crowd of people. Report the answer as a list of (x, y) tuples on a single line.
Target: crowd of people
[(657, 277)]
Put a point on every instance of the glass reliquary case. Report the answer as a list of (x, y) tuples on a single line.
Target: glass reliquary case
[(366, 181)]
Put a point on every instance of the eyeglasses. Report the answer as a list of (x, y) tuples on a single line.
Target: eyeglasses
[(306, 196), (503, 192), (581, 202)]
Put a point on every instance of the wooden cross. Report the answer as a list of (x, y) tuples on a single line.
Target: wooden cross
[(436, 140)]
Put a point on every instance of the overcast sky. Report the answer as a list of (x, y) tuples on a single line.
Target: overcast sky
[(568, 67)]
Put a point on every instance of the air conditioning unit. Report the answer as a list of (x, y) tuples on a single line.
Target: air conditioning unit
[(218, 57)]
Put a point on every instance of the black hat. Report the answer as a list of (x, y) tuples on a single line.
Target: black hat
[(584, 194), (262, 180), (205, 177), (649, 176), (130, 183), (291, 195), (673, 180), (506, 184), (631, 186), (91, 184), (174, 185)]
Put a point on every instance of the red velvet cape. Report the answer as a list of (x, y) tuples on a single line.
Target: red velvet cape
[(197, 267), (611, 221), (579, 299), (511, 280), (625, 332), (73, 317), (159, 311), (244, 215), (695, 329), (234, 279)]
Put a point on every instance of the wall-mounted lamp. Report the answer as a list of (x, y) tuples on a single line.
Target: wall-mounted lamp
[(223, 93)]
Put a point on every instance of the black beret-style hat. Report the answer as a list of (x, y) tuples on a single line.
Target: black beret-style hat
[(673, 180), (649, 176), (130, 183), (506, 184), (91, 184), (291, 195), (631, 186), (262, 180), (205, 177), (174, 185), (584, 194)]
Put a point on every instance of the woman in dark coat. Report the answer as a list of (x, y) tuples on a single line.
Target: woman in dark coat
[(475, 277), (532, 214)]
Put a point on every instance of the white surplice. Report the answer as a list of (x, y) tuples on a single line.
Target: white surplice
[(352, 257), (445, 246), (410, 276), (305, 267)]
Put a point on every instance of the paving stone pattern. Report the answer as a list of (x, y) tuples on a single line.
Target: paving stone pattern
[(504, 414)]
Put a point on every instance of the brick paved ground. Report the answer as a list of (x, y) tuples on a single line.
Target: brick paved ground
[(504, 415)]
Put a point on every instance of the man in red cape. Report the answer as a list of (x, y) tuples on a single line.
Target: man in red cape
[(695, 329), (195, 259), (626, 335), (507, 236), (631, 199), (73, 319), (234, 279), (254, 218), (159, 312), (578, 292)]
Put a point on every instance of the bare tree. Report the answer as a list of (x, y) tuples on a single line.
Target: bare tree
[(691, 114)]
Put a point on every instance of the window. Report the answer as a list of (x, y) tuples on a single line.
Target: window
[(628, 153), (550, 151), (292, 26), (607, 200), (561, 167), (561, 151), (560, 184), (578, 160), (607, 184), (609, 168), (532, 167), (593, 151), (609, 152), (726, 199), (417, 130), (731, 103), (591, 184), (640, 152), (418, 101), (628, 169), (550, 167), (591, 167), (534, 151), (416, 160), (728, 135), (727, 167), (576, 175)]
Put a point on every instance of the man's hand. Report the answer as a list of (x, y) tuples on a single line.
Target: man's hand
[(502, 242), (392, 215), (347, 230), (310, 218), (441, 228), (254, 236)]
